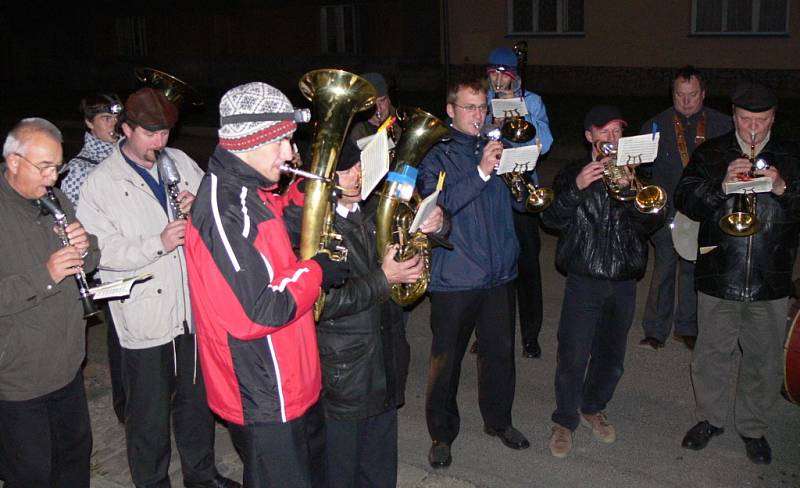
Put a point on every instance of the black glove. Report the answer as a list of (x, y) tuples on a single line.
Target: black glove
[(333, 272)]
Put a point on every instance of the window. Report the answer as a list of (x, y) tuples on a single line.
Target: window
[(339, 29), (546, 17), (131, 36), (740, 17)]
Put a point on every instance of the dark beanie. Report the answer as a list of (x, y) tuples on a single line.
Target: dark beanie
[(349, 156)]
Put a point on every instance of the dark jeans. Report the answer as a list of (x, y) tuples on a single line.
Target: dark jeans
[(662, 307), (154, 393), (285, 455), (454, 315), (47, 441), (362, 453), (529, 280), (593, 330)]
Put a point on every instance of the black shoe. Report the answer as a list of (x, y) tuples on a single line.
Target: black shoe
[(474, 348), (439, 455), (531, 349), (651, 343), (510, 436), (219, 481), (688, 341), (698, 436), (758, 450)]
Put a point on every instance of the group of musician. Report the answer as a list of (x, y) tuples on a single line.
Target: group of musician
[(228, 320)]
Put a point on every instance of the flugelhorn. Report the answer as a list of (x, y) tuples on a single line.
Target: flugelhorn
[(51, 203), (742, 220), (647, 199), (396, 212), (171, 177), (516, 128), (336, 96)]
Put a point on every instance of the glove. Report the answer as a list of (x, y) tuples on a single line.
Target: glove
[(334, 273)]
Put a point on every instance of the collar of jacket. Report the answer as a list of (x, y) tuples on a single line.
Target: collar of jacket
[(11, 195), (224, 163), (118, 167), (692, 119)]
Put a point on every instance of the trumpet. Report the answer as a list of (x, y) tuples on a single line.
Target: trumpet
[(539, 198), (648, 199), (742, 220), (171, 177), (51, 203), (516, 128)]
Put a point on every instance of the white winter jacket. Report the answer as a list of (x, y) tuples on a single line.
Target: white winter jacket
[(119, 208)]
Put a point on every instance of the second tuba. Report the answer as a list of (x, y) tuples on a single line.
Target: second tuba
[(395, 214), (177, 91), (336, 96)]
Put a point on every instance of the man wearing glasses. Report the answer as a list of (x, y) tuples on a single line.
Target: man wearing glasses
[(44, 418), (472, 284)]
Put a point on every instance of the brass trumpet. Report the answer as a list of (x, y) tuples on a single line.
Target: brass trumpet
[(648, 199), (516, 128), (742, 220)]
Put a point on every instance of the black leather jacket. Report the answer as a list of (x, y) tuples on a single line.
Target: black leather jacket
[(361, 335), (600, 237), (758, 267)]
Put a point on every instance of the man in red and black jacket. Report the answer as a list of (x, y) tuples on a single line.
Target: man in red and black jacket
[(253, 299)]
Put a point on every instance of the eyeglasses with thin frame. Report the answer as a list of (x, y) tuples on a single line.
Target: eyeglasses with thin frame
[(43, 169), (473, 108)]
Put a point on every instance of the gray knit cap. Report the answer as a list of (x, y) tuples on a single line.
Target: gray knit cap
[(253, 98)]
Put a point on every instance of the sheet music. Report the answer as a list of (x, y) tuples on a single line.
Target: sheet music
[(374, 162), (362, 143), (762, 184), (518, 159), (425, 208), (117, 289), (509, 107), (637, 149)]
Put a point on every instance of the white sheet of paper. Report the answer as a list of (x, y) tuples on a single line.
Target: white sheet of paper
[(374, 162), (425, 208), (362, 143), (508, 107), (637, 149), (762, 184), (518, 159), (117, 289)]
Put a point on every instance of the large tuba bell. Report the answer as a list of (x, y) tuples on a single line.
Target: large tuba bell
[(336, 96), (177, 91), (395, 214)]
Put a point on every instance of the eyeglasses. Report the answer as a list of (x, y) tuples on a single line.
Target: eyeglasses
[(43, 168), (473, 108)]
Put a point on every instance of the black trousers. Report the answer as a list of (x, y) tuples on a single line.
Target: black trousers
[(454, 315), (285, 455), (47, 441), (154, 393), (114, 364), (529, 280), (596, 316), (362, 453)]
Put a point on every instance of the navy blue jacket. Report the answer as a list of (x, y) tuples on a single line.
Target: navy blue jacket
[(485, 247)]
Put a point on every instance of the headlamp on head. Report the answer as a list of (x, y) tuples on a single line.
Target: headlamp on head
[(115, 108), (101, 103)]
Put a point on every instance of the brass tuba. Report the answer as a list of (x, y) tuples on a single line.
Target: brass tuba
[(336, 96), (177, 91), (395, 215)]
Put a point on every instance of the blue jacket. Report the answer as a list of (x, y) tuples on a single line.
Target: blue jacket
[(485, 247), (537, 115)]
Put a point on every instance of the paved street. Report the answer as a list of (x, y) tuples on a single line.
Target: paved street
[(651, 410)]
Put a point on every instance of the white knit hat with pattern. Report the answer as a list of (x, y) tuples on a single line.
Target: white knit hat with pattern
[(237, 134)]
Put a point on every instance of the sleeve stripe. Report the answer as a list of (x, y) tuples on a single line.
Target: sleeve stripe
[(278, 381), (220, 228), (290, 279), (269, 267), (242, 198)]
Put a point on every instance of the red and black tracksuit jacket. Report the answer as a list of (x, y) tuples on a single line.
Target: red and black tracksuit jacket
[(252, 299)]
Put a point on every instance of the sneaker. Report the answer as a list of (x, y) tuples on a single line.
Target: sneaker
[(651, 344), (560, 441), (601, 428)]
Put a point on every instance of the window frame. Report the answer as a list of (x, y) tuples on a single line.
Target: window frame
[(560, 20), (755, 12), (341, 36)]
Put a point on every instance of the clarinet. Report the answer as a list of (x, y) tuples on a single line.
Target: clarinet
[(51, 203), (171, 177)]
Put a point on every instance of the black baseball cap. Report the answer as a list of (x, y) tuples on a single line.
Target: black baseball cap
[(600, 115)]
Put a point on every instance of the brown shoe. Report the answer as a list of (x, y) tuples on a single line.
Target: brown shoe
[(560, 441), (601, 428)]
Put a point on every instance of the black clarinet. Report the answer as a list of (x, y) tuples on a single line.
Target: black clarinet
[(51, 203), (171, 177)]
